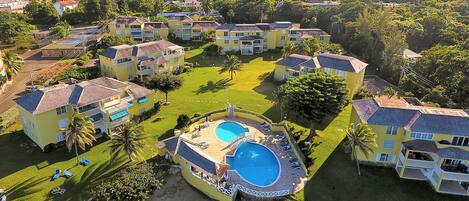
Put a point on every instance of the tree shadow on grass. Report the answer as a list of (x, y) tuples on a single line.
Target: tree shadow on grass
[(214, 86), (92, 176), (169, 133), (25, 188), (18, 152)]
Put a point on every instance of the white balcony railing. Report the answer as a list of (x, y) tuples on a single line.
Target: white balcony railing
[(148, 71), (455, 176), (119, 122), (416, 163), (92, 111)]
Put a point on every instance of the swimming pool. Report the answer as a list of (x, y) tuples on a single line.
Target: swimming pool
[(255, 163), (229, 131)]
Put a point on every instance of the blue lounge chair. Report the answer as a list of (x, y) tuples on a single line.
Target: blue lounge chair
[(84, 161), (287, 148), (56, 174), (67, 174)]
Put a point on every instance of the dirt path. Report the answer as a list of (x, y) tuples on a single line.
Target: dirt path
[(176, 188), (32, 63)]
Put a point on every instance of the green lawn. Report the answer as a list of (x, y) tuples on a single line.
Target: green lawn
[(25, 171)]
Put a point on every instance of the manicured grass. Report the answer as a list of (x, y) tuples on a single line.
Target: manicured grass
[(25, 171)]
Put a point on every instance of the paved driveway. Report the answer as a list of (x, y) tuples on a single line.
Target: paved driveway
[(33, 63)]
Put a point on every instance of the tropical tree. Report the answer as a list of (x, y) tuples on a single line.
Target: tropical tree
[(12, 62), (230, 14), (304, 47), (315, 95), (278, 96), (232, 64), (164, 82), (207, 6), (128, 139), (41, 12), (390, 92), (81, 132), (360, 137)]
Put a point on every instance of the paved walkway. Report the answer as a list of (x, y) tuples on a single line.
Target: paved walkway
[(33, 63)]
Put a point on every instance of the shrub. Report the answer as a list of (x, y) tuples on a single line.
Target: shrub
[(147, 114), (133, 183), (182, 121), (187, 67), (363, 94), (212, 50)]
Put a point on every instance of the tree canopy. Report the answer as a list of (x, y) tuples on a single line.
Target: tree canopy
[(164, 82), (314, 96), (41, 12)]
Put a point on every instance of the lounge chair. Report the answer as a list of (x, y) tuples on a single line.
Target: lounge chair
[(67, 174), (84, 161), (287, 148), (295, 166), (56, 174), (295, 163), (293, 160), (57, 190)]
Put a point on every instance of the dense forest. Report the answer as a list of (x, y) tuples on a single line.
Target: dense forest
[(376, 34)]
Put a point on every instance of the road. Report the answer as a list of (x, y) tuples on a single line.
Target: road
[(33, 63)]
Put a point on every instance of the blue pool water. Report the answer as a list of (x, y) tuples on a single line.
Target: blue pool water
[(229, 131), (255, 164)]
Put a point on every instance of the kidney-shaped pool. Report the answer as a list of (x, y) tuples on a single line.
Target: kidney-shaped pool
[(255, 163)]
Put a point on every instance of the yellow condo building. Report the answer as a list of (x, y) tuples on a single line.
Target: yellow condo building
[(125, 62), (420, 142), (185, 28), (45, 113), (251, 39), (350, 68), (139, 28)]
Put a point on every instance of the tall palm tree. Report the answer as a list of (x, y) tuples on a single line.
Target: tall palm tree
[(12, 62), (232, 64), (81, 132), (360, 137), (129, 138), (278, 96)]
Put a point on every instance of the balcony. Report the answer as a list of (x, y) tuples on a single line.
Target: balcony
[(114, 106), (456, 173), (146, 71), (417, 159)]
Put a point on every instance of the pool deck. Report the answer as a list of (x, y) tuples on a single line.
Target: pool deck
[(291, 179)]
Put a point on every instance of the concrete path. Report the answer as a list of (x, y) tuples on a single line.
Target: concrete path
[(33, 63)]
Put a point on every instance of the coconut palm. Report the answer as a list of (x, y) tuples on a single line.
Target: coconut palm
[(81, 132), (278, 100), (360, 137), (232, 64), (12, 62), (129, 139)]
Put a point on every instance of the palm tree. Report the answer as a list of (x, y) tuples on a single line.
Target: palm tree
[(278, 96), (128, 138), (12, 62), (81, 132), (360, 137), (231, 65)]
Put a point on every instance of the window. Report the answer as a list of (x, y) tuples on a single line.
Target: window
[(63, 123), (328, 71), (227, 42), (451, 162), (391, 130), (225, 33), (341, 73), (384, 157), (282, 38), (388, 144), (131, 77), (239, 34), (258, 34), (423, 136), (61, 110), (235, 42), (61, 137), (123, 60), (460, 141)]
